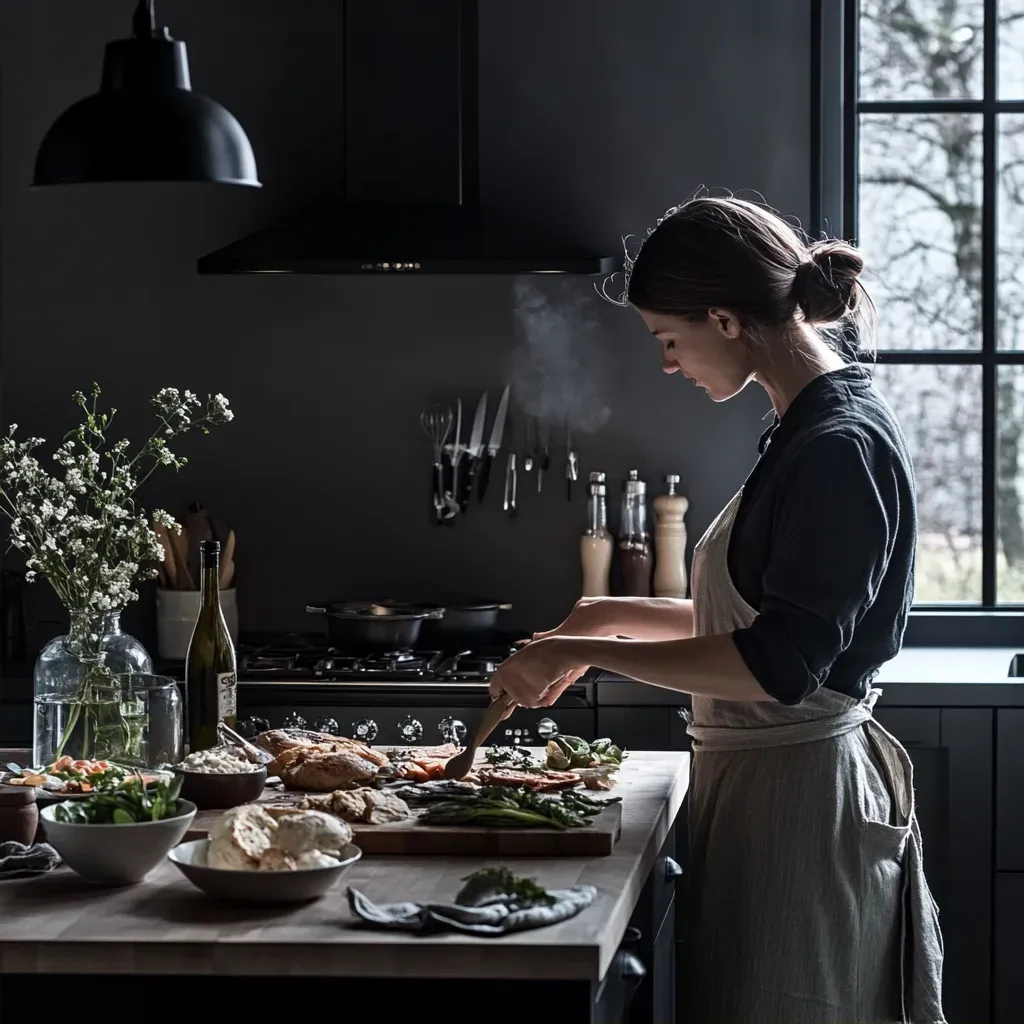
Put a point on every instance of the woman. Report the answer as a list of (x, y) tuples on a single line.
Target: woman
[(807, 900)]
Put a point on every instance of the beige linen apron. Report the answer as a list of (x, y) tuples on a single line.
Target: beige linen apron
[(807, 900)]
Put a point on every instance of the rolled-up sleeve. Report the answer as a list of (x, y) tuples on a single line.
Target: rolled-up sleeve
[(835, 522)]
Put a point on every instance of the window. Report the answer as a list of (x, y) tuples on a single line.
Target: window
[(932, 164)]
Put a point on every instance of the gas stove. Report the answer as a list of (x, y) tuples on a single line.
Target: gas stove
[(429, 696), (296, 657)]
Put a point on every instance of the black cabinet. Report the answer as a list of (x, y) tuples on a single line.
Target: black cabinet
[(654, 921), (1009, 786), (648, 728), (952, 755), (1008, 977)]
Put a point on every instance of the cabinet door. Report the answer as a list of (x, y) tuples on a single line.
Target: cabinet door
[(1009, 786), (951, 752), (1008, 996)]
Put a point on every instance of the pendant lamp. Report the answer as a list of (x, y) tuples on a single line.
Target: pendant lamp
[(145, 123)]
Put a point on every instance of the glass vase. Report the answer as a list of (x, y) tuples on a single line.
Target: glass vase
[(78, 709)]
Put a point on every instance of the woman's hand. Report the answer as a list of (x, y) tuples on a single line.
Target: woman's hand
[(538, 674)]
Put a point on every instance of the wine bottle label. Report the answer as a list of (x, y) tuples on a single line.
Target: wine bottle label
[(227, 704)]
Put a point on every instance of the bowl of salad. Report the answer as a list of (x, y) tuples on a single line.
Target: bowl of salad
[(117, 834)]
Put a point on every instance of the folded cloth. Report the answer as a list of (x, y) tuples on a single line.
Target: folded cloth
[(486, 913), (17, 860)]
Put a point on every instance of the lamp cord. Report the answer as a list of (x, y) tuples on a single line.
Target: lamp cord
[(144, 20)]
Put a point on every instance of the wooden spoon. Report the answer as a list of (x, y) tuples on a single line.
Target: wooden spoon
[(227, 562), (459, 766), (198, 526), (179, 541)]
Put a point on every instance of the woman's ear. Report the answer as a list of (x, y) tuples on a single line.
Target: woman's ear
[(726, 323)]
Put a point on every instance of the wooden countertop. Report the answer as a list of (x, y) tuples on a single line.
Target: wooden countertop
[(58, 923)]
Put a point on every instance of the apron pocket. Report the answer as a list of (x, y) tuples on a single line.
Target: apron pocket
[(883, 785)]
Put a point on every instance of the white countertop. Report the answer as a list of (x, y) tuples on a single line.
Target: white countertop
[(949, 665)]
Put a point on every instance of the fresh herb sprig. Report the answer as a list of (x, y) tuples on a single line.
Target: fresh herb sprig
[(512, 757), (129, 804), (525, 891)]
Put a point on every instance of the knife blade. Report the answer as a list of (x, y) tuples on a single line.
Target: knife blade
[(494, 444), (473, 451)]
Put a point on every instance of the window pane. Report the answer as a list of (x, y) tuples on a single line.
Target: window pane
[(1010, 214), (920, 49), (939, 408), (1010, 484), (1011, 49), (920, 227)]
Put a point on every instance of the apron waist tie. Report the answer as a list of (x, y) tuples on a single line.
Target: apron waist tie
[(723, 737)]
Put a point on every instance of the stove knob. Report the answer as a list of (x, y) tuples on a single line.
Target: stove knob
[(365, 729), (410, 730), (294, 721), (452, 730), (547, 729), (250, 727), (329, 725)]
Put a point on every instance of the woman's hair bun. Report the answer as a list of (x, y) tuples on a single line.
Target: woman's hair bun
[(826, 287)]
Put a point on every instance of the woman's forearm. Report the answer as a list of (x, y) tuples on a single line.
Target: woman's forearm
[(709, 666), (647, 618)]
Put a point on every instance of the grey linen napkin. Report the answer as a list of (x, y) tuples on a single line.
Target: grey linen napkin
[(475, 910), (17, 860)]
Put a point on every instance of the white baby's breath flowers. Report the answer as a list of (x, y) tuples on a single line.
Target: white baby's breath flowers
[(79, 526)]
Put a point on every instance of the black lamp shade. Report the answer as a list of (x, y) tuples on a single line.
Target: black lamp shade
[(145, 124)]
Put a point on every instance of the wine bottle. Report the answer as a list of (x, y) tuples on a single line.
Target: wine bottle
[(210, 673)]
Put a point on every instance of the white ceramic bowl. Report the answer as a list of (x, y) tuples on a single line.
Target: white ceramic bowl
[(258, 886), (115, 854)]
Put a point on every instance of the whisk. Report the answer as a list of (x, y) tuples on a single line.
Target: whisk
[(437, 425)]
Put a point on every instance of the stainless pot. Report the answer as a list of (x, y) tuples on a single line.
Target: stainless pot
[(369, 626)]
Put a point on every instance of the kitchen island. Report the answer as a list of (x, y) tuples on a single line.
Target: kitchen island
[(585, 969)]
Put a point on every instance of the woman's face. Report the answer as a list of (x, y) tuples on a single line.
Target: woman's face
[(713, 353)]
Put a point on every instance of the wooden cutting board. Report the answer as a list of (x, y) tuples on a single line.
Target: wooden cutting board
[(410, 838)]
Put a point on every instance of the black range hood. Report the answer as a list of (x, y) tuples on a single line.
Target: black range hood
[(409, 201)]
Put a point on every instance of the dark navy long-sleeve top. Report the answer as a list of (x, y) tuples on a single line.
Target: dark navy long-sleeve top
[(824, 540)]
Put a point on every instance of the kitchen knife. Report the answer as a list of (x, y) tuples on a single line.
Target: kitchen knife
[(494, 445), (474, 451), (454, 451), (511, 485)]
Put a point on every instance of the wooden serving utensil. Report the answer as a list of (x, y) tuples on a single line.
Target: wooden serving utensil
[(227, 561), (257, 756), (198, 525), (459, 766), (179, 541)]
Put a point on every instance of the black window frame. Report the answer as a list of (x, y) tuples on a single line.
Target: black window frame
[(835, 111)]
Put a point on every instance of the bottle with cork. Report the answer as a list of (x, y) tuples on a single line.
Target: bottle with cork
[(635, 558), (670, 541), (596, 544)]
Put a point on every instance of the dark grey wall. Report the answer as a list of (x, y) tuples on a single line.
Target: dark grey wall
[(596, 116)]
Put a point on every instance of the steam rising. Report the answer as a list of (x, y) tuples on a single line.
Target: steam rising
[(558, 368)]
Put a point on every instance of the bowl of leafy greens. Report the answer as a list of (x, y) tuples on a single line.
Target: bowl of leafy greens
[(116, 836)]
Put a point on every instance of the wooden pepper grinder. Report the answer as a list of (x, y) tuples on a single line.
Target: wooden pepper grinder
[(670, 541)]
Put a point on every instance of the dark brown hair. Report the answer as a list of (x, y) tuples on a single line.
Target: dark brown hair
[(735, 255)]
